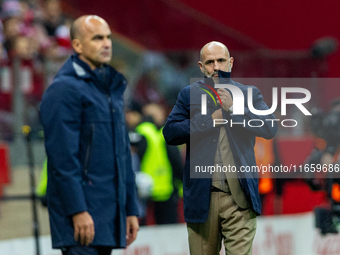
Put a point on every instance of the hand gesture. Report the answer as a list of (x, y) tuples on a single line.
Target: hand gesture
[(217, 114), (226, 99), (132, 227), (83, 228)]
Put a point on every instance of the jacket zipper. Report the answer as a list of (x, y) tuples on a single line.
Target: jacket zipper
[(87, 156)]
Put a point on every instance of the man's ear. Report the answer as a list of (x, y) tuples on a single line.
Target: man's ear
[(231, 62), (77, 46), (201, 66)]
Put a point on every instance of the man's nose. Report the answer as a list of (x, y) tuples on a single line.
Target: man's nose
[(216, 66), (107, 43)]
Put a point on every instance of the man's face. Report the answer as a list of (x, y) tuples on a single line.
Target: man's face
[(214, 58), (95, 45)]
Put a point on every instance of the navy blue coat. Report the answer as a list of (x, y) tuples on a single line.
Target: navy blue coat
[(186, 124), (87, 145)]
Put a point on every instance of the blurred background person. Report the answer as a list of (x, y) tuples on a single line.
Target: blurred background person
[(91, 185), (157, 159), (144, 182), (326, 128)]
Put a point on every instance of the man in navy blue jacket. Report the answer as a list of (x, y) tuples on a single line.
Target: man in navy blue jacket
[(224, 205), (91, 191)]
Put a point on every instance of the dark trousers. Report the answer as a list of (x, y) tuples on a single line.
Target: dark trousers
[(165, 212), (87, 250)]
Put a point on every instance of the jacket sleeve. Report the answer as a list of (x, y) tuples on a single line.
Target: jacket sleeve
[(180, 125), (60, 113), (131, 189), (269, 127)]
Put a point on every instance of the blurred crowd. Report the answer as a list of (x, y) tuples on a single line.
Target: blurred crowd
[(33, 29), (34, 41)]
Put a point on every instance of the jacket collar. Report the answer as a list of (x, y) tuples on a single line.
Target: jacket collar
[(75, 66), (82, 69), (225, 78)]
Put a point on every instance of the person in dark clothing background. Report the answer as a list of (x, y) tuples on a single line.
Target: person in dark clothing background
[(161, 161)]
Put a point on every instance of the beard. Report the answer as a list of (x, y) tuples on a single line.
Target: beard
[(210, 75), (215, 79)]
